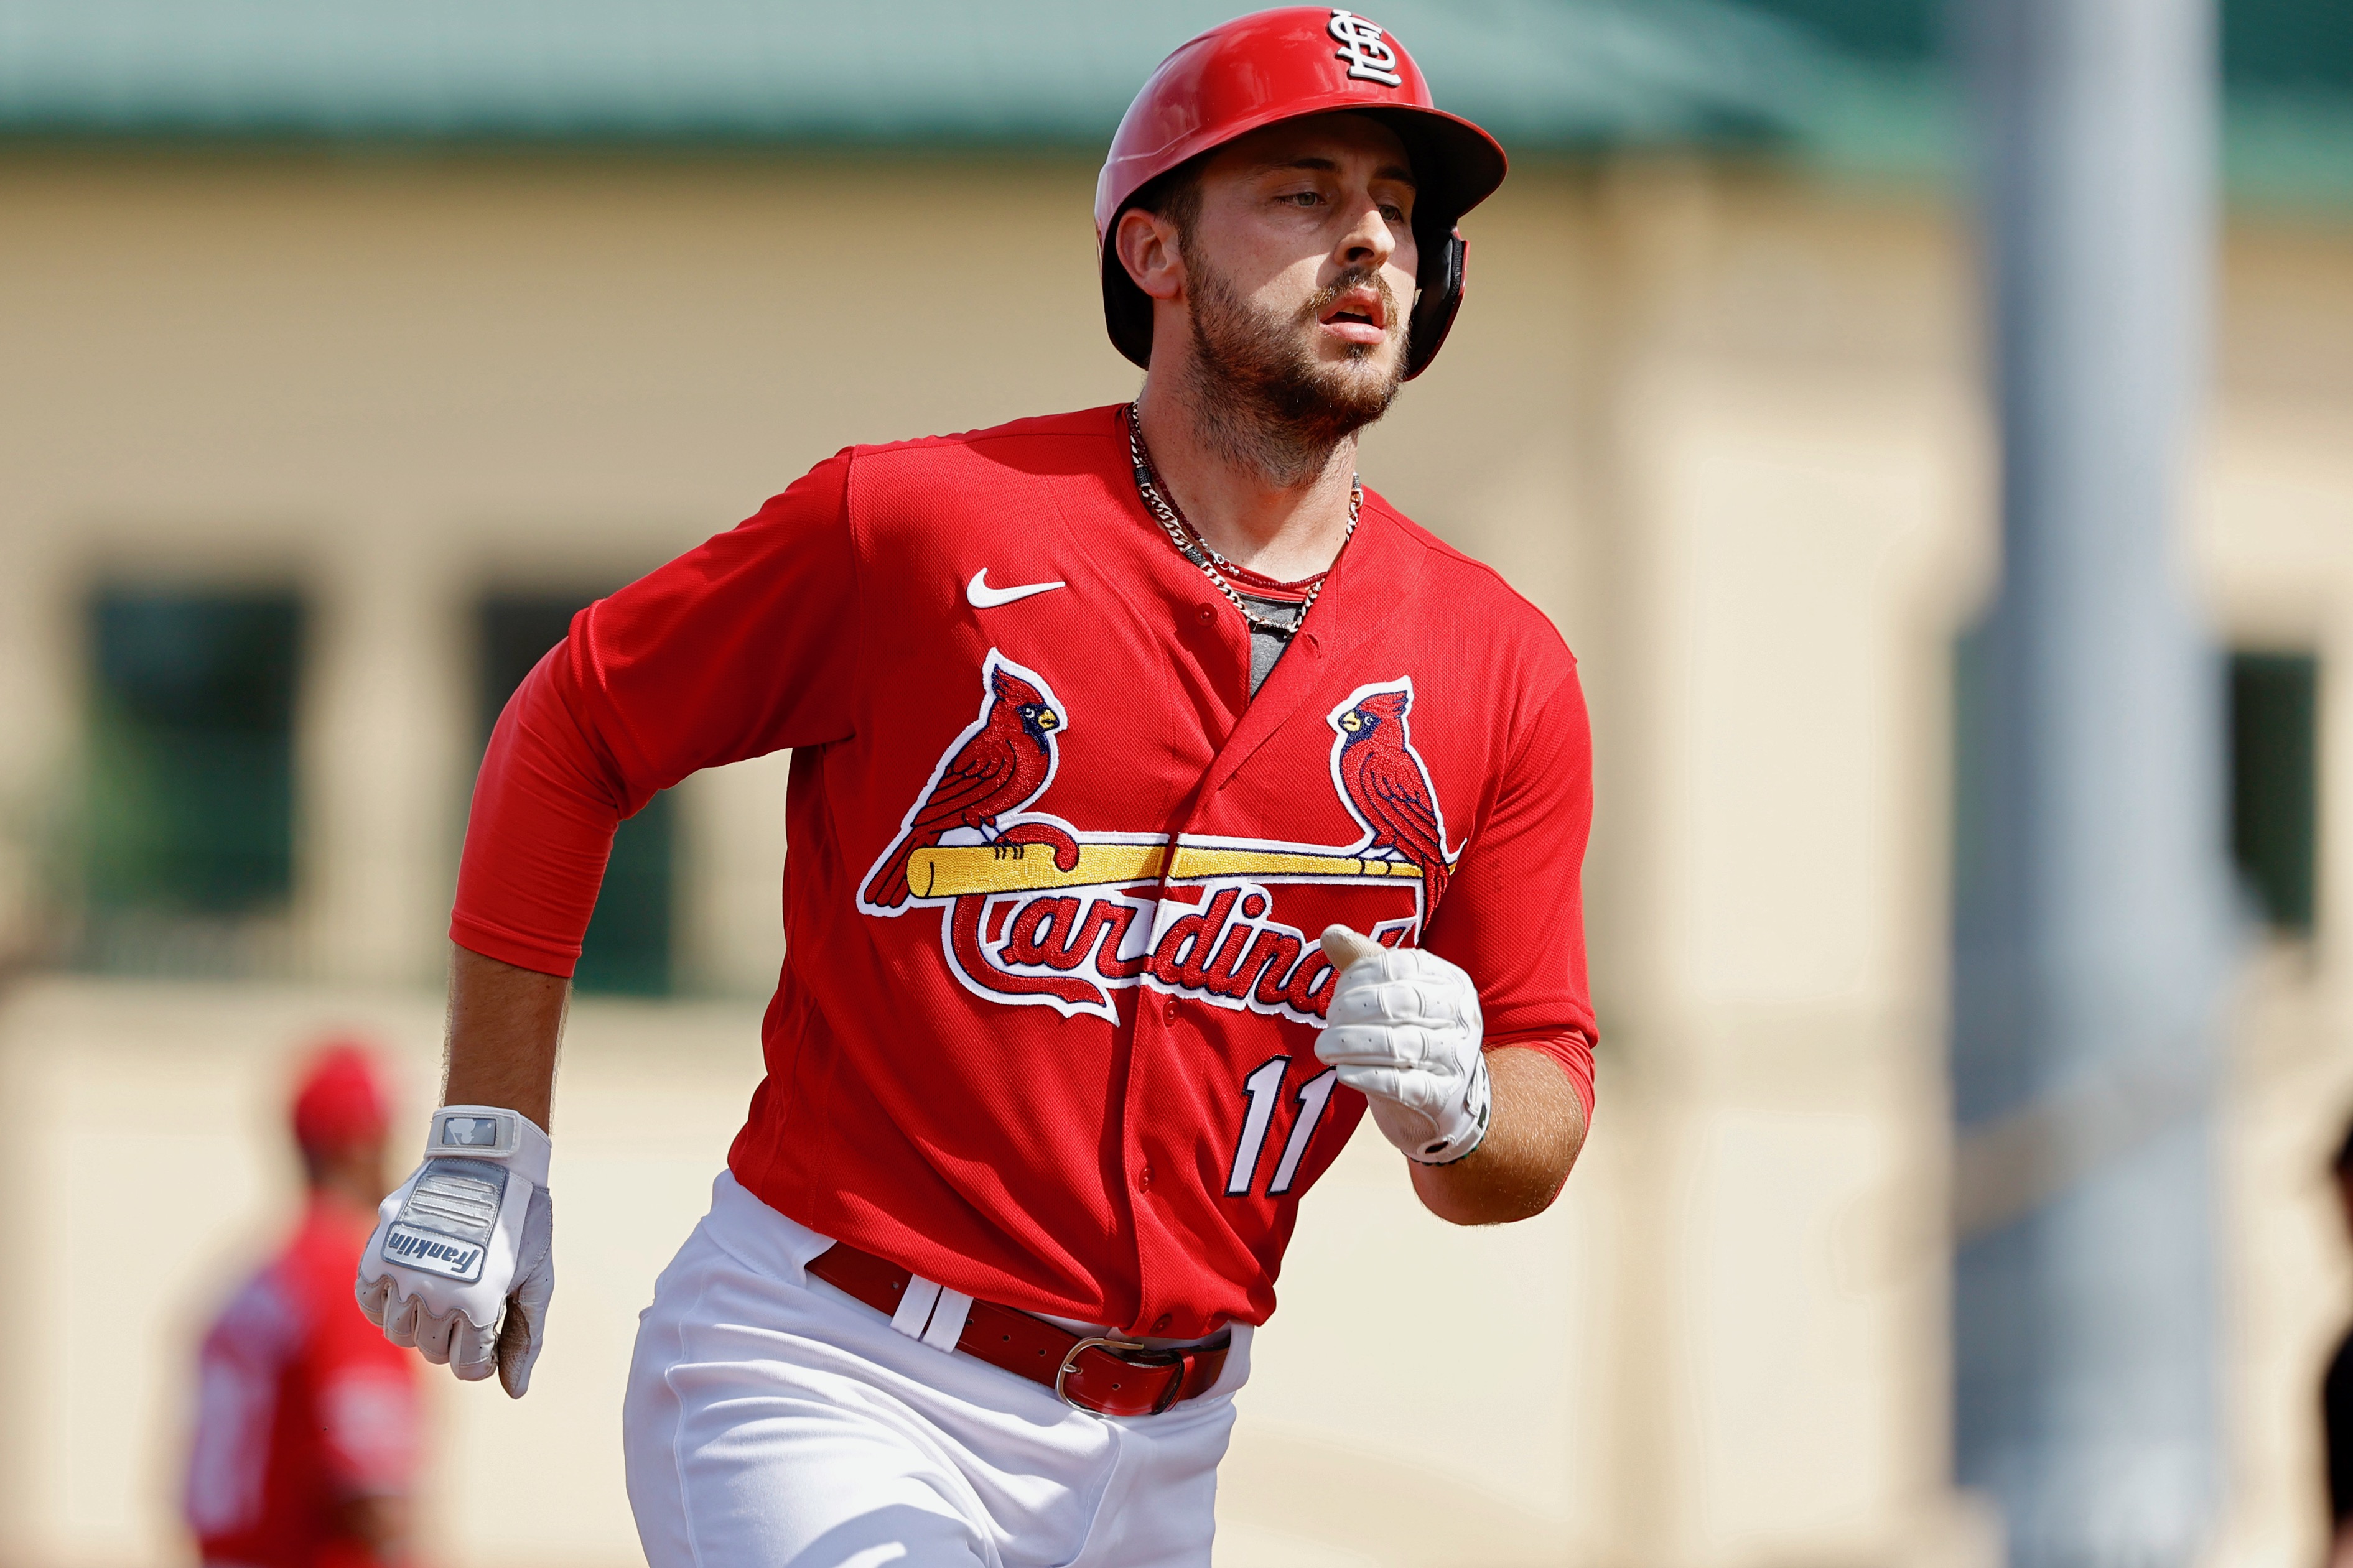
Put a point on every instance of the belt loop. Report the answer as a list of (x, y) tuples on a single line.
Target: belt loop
[(915, 1306), (947, 1319)]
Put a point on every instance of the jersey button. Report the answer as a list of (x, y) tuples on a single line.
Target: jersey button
[(1144, 1177), (1162, 1321), (1207, 615), (1169, 1009)]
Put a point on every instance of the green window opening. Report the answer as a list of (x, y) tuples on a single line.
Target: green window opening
[(2275, 784), (189, 825), (628, 948)]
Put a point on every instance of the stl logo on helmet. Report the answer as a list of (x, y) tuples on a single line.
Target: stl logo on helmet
[(1370, 56), (1038, 913)]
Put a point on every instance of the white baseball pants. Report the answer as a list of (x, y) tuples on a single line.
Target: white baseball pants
[(772, 1422)]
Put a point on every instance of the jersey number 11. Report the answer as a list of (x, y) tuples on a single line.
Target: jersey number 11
[(1260, 1091)]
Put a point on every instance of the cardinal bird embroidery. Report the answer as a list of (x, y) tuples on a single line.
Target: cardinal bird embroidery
[(998, 765), (1387, 789)]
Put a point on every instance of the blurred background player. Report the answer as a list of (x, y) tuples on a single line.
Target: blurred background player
[(306, 1443)]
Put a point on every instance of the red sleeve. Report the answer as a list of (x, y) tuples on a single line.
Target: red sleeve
[(743, 646), (1514, 915)]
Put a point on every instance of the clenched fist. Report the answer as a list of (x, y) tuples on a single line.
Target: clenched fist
[(1404, 1030), (461, 1265)]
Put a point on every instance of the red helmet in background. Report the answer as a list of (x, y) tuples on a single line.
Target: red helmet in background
[(1280, 65), (341, 1098)]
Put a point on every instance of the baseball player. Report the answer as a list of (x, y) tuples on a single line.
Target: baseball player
[(1162, 801), (306, 1444)]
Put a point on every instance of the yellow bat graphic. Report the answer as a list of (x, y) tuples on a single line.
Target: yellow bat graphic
[(946, 871)]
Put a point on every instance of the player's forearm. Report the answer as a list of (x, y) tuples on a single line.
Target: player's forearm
[(1533, 1135), (504, 1025), (461, 1265)]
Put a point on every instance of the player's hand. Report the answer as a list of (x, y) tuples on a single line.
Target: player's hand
[(1404, 1030), (461, 1266)]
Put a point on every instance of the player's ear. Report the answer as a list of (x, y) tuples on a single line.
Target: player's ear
[(1152, 251)]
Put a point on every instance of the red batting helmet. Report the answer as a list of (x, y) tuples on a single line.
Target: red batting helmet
[(1280, 65), (341, 1098)]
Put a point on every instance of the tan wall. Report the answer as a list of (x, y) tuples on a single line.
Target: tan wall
[(1722, 427)]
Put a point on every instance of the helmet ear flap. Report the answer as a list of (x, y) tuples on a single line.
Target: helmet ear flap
[(1442, 266)]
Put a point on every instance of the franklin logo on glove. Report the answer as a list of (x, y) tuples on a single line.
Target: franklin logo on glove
[(424, 1252), (460, 1264)]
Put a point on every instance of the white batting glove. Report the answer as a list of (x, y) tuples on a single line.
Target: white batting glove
[(1404, 1030), (467, 1242)]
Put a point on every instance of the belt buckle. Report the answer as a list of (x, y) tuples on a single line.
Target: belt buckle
[(1071, 1355)]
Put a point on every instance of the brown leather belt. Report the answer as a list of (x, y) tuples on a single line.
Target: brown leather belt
[(1106, 1376)]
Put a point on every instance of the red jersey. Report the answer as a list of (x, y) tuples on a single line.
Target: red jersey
[(1045, 1030), (302, 1404)]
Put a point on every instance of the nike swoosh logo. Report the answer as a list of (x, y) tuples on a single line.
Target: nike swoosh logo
[(984, 597)]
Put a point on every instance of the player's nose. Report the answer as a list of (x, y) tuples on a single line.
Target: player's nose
[(1370, 241)]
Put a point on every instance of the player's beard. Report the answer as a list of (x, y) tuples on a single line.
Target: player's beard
[(1260, 394)]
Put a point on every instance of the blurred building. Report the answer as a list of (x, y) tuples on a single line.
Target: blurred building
[(345, 351)]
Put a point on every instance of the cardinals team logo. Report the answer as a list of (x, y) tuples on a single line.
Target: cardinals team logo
[(1038, 913), (1386, 788), (1000, 763)]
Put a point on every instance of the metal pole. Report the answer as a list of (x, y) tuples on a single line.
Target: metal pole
[(2091, 930)]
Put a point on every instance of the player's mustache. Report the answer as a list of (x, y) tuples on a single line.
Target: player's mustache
[(1355, 278)]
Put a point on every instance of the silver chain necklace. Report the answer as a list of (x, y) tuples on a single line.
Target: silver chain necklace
[(1196, 549)]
